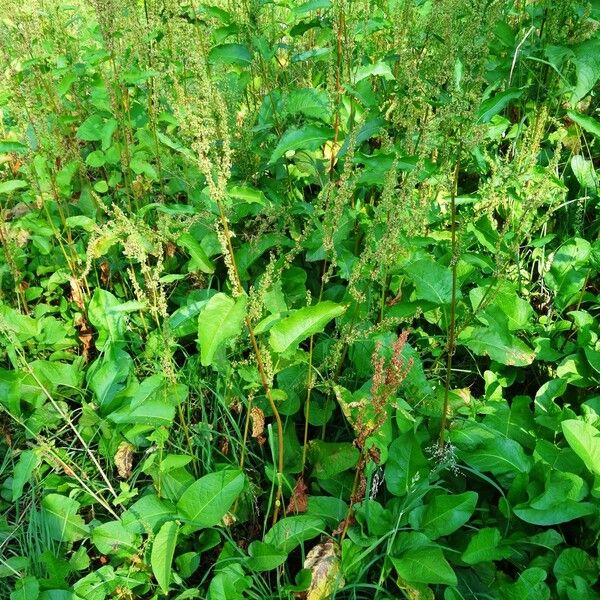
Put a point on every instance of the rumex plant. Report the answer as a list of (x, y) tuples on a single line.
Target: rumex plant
[(299, 299)]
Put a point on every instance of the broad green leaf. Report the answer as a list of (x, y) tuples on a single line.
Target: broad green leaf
[(112, 538), (497, 103), (309, 102), (568, 271), (209, 498), (530, 586), (379, 69), (163, 550), (184, 321), (444, 514), (328, 459), (312, 5), (292, 531), (499, 345), (96, 128), (587, 67), (26, 588), (98, 584), (12, 146), (405, 461), (303, 323), (109, 322), (309, 137), (433, 282), (220, 320), (200, 260), (566, 511), (60, 518), (28, 461), (152, 412), (584, 439), (264, 557), (574, 562), (485, 546), (518, 312), (8, 187), (584, 171), (247, 193), (230, 54), (425, 565), (147, 514), (587, 123)]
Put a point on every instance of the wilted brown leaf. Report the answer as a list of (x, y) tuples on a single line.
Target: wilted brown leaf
[(325, 566), (299, 500), (124, 459)]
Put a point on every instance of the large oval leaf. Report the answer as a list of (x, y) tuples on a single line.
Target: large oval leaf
[(584, 439), (220, 320), (292, 531), (61, 520), (230, 54), (163, 550), (425, 565), (303, 323), (209, 498), (309, 137)]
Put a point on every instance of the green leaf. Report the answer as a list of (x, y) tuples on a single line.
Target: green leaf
[(264, 557), (312, 5), (292, 531), (584, 439), (200, 260), (587, 67), (405, 461), (209, 498), (112, 538), (184, 321), (63, 524), (484, 546), (378, 69), (433, 282), (152, 412), (584, 171), (587, 123), (7, 146), (8, 187), (444, 514), (26, 588), (331, 458), (492, 106), (309, 102), (28, 461), (425, 565), (96, 129), (499, 345), (163, 550), (309, 137), (220, 320), (230, 54), (147, 514), (568, 271), (302, 323)]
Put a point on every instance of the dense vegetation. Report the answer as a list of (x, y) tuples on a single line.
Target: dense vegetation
[(299, 300)]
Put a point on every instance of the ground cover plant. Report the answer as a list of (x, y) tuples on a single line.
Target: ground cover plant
[(299, 300)]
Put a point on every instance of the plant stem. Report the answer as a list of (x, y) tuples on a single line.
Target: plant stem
[(452, 325)]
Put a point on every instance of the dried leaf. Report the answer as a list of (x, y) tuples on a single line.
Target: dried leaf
[(325, 566), (85, 336), (124, 459), (299, 500), (76, 292), (258, 421)]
